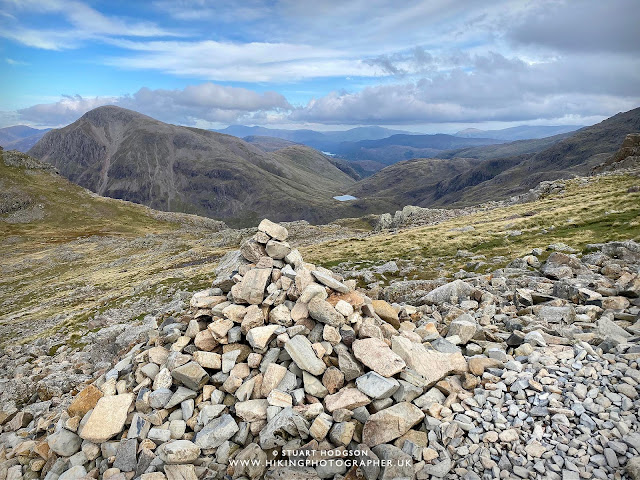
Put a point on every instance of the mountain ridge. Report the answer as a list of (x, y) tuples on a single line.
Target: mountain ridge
[(20, 137), (501, 177), (520, 132), (123, 154)]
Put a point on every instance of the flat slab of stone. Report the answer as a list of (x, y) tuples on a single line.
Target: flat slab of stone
[(251, 288), (259, 337), (216, 432), (301, 352), (390, 423), (349, 398), (191, 375), (252, 410), (377, 355), (386, 312), (329, 281), (430, 364), (208, 359), (108, 418), (180, 472), (85, 401), (322, 311), (179, 451), (376, 386)]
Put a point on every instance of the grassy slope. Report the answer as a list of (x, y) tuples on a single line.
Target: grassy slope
[(599, 211), (87, 253), (412, 182), (518, 147)]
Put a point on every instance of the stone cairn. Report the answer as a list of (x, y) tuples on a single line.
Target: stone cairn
[(283, 370)]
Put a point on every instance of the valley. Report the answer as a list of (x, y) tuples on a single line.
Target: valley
[(119, 153)]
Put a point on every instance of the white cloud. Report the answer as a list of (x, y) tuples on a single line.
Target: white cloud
[(15, 63), (85, 23), (427, 61), (189, 106), (64, 111), (494, 88), (585, 26), (243, 62)]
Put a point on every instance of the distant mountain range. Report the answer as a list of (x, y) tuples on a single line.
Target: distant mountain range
[(20, 137), (521, 132), (480, 174), (396, 148), (123, 154), (314, 138), (370, 149)]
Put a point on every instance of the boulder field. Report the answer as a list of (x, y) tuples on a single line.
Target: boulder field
[(285, 370)]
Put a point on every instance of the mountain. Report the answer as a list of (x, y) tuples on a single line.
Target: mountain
[(123, 154), (627, 157), (522, 132), (327, 141), (518, 147), (296, 136), (306, 135), (369, 149), (466, 181), (37, 202), (396, 148), (20, 137), (268, 144), (411, 182)]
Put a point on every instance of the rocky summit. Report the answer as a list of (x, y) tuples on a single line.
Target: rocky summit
[(286, 370)]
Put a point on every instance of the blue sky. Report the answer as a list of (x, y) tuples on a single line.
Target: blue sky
[(431, 66)]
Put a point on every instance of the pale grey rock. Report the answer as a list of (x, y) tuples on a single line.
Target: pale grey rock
[(376, 386), (452, 292), (274, 230), (216, 432), (325, 278), (64, 443), (324, 312), (301, 352)]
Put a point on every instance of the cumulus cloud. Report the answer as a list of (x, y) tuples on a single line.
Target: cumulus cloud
[(427, 61), (64, 111), (192, 105), (495, 88)]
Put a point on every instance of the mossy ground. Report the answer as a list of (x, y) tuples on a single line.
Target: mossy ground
[(600, 210), (88, 256)]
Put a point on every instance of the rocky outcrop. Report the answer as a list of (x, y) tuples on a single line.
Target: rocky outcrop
[(628, 157)]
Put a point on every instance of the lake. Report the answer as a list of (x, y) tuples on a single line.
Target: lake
[(345, 198)]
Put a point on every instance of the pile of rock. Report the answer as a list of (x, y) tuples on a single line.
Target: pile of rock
[(412, 216), (283, 370)]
